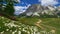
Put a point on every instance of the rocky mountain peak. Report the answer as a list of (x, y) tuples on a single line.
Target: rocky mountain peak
[(37, 9)]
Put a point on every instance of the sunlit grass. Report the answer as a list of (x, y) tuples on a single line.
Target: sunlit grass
[(49, 24)]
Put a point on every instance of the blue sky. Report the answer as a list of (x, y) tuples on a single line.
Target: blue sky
[(24, 4)]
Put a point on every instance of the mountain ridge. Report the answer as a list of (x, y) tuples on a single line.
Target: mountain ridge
[(37, 10)]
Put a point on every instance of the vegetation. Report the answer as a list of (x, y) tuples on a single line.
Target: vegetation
[(7, 8), (26, 24)]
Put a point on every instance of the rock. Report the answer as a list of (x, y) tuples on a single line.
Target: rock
[(38, 10)]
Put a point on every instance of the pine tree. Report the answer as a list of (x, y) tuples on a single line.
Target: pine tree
[(7, 8)]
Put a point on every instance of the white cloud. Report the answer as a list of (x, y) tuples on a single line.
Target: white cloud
[(17, 0), (48, 2), (20, 9)]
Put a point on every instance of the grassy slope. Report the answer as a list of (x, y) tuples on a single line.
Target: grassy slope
[(47, 23), (52, 23)]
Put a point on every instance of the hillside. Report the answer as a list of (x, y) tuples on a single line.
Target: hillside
[(28, 25)]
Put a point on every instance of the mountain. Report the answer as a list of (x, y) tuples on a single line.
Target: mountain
[(38, 10)]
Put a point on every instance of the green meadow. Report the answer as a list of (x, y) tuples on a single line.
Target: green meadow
[(49, 25)]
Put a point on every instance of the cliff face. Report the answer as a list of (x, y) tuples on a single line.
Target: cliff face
[(37, 10)]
